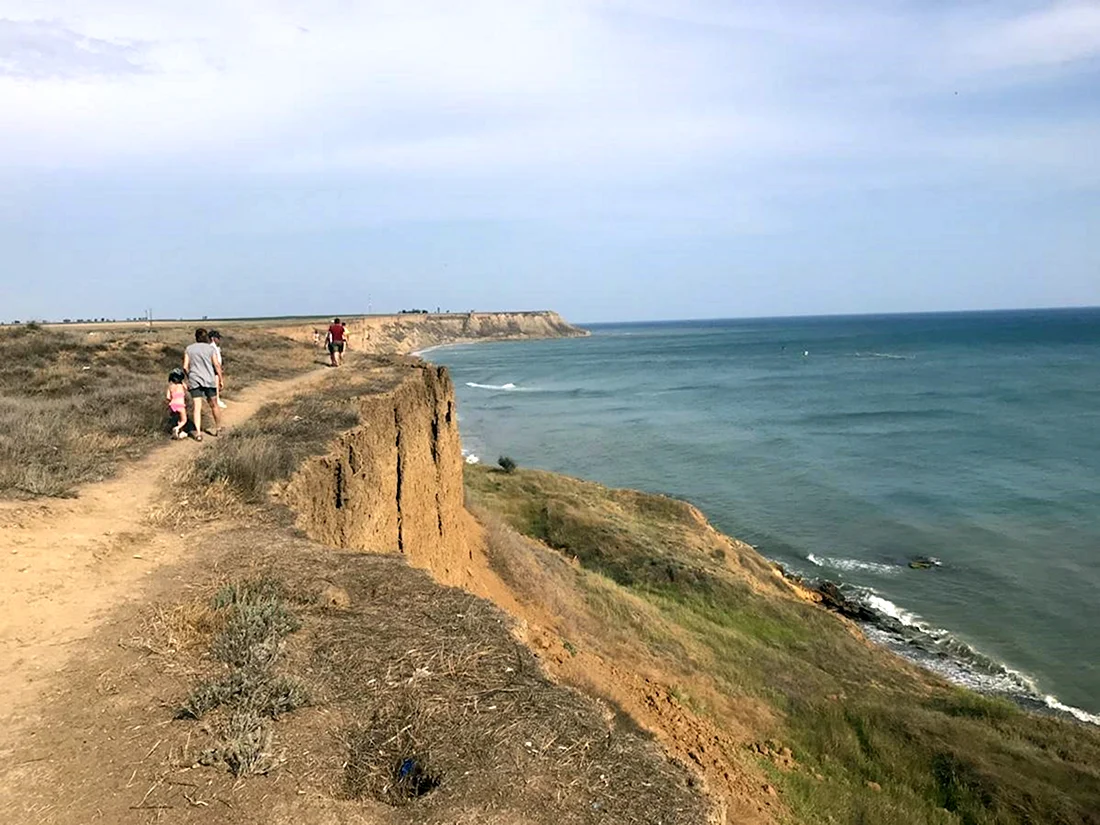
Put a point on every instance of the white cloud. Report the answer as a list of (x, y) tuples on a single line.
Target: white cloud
[(595, 88), (39, 49), (1058, 34)]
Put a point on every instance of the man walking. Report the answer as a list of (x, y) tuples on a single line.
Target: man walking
[(204, 376), (337, 340), (216, 343)]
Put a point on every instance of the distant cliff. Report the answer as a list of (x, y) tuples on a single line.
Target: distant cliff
[(412, 332)]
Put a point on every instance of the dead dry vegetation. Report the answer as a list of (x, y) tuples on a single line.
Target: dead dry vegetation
[(73, 404), (851, 733), (295, 684)]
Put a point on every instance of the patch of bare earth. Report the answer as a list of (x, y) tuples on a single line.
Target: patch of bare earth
[(422, 708)]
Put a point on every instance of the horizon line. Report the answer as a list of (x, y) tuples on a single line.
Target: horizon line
[(887, 314)]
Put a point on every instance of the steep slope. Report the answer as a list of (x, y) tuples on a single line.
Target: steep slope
[(846, 731), (394, 484), (775, 702)]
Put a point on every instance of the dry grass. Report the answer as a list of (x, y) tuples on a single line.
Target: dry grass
[(182, 628), (279, 437), (423, 701), (74, 405), (255, 620), (875, 740), (437, 687)]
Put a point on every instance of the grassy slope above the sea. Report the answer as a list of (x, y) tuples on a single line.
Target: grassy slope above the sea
[(873, 738)]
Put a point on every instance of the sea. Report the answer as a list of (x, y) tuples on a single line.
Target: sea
[(846, 449)]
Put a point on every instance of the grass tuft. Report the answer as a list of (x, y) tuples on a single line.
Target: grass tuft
[(257, 621)]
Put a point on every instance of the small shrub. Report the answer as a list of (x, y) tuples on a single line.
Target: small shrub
[(246, 748), (507, 464), (250, 691), (253, 591), (253, 635)]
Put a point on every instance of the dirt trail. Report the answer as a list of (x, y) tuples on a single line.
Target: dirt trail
[(64, 563)]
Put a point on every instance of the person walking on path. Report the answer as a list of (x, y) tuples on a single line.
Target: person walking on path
[(176, 396), (204, 375), (216, 343), (337, 340)]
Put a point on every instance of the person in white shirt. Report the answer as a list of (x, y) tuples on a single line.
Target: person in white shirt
[(216, 343)]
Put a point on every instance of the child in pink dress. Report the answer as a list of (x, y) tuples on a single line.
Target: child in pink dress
[(176, 397)]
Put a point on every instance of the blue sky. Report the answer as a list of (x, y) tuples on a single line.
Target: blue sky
[(612, 159)]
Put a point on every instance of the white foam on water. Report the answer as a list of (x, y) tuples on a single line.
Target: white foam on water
[(888, 355), (888, 608), (1077, 713), (992, 677), (508, 386), (854, 564)]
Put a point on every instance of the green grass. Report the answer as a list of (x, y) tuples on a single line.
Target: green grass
[(851, 713)]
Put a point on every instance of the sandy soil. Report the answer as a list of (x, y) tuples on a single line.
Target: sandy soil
[(64, 563)]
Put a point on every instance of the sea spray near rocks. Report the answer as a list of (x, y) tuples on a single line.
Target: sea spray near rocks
[(853, 564), (937, 649)]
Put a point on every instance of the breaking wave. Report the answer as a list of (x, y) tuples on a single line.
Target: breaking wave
[(853, 564), (940, 651), (508, 386)]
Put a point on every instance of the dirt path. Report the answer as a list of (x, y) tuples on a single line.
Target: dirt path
[(65, 563)]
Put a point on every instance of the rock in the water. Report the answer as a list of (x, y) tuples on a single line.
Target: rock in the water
[(924, 562), (834, 599)]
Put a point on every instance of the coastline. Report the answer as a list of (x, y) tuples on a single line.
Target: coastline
[(443, 600), (905, 634), (937, 650)]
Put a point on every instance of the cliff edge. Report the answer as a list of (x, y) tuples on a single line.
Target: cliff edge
[(394, 483), (782, 709), (412, 332)]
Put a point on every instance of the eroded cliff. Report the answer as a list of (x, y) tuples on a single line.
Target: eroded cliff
[(394, 483), (407, 333)]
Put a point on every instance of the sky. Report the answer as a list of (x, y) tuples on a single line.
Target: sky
[(610, 159)]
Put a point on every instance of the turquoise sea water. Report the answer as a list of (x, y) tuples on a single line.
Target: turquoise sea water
[(844, 447)]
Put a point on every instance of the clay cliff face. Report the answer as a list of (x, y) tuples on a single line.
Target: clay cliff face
[(394, 483), (410, 333)]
